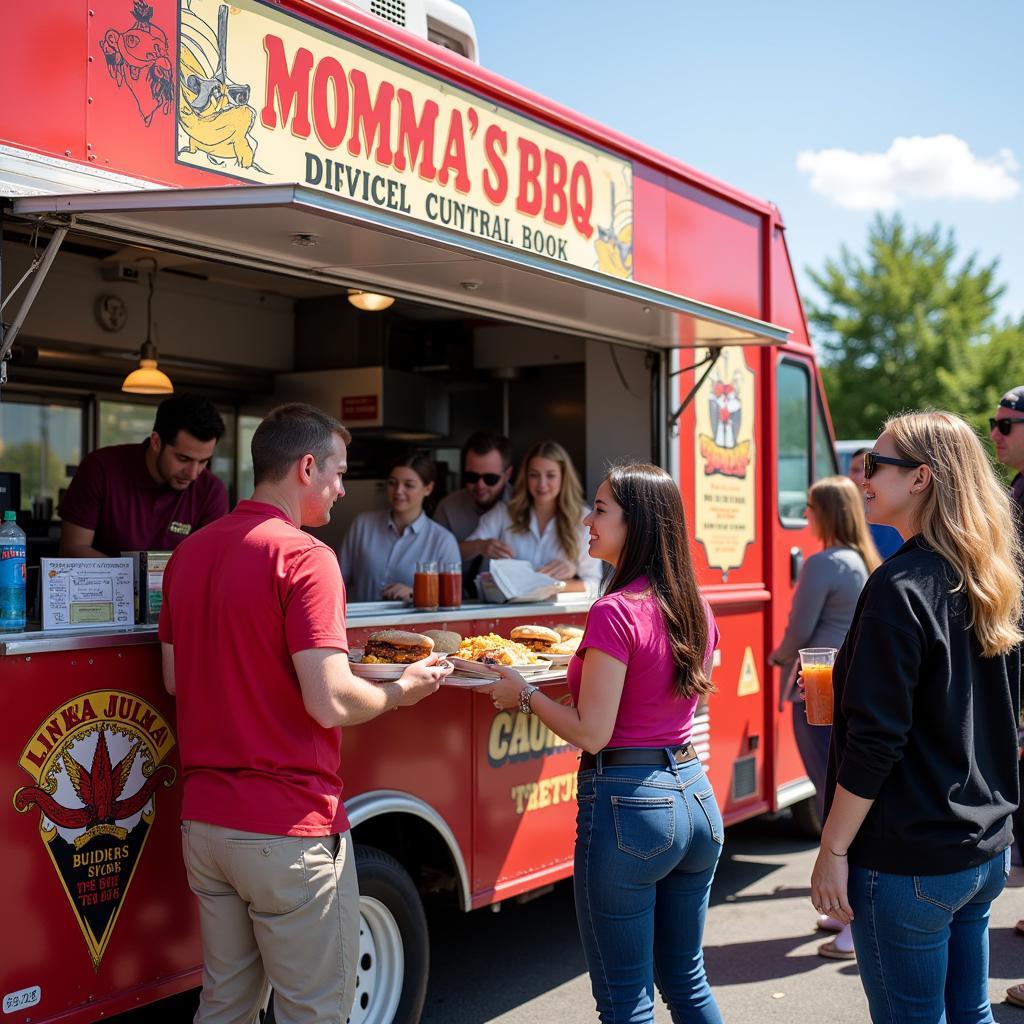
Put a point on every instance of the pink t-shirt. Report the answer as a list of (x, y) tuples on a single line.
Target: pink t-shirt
[(629, 626), (240, 598)]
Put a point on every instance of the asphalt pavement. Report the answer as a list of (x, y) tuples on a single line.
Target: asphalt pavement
[(524, 964)]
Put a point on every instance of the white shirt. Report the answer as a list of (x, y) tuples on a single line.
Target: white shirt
[(539, 548), (372, 555)]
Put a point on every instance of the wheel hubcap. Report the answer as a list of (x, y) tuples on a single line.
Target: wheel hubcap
[(381, 967)]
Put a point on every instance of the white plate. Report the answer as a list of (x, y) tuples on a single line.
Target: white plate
[(557, 659), (481, 671)]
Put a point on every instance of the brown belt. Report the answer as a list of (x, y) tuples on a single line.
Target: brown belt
[(656, 756)]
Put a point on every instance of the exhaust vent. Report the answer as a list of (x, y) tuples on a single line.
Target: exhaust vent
[(389, 10), (744, 777)]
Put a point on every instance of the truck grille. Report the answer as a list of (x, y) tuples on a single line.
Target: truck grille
[(389, 10)]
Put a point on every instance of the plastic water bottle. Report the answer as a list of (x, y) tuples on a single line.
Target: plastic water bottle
[(12, 573)]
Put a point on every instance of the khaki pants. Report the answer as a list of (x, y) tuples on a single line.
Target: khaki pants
[(277, 909)]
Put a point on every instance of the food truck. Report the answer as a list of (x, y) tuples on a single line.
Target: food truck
[(212, 188)]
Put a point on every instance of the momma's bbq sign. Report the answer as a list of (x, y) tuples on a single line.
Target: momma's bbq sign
[(267, 97)]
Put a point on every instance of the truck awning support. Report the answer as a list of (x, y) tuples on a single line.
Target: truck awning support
[(709, 361), (38, 270)]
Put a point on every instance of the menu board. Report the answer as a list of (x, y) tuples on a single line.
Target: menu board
[(83, 593)]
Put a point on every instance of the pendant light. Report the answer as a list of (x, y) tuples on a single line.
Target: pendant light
[(148, 379), (369, 302)]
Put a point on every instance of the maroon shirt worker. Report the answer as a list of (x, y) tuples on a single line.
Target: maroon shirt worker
[(148, 496)]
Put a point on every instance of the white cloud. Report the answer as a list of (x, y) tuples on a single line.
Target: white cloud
[(936, 167)]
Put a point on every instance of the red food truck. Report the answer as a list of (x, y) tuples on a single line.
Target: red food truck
[(220, 181)]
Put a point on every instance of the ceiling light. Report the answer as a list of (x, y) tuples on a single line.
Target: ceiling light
[(148, 379), (369, 302)]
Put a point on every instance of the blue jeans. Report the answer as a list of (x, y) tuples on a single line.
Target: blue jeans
[(922, 942), (648, 841)]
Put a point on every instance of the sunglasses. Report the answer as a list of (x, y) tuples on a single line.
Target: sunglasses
[(873, 461), (1004, 426), (488, 478)]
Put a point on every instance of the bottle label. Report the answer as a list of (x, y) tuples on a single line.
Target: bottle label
[(12, 565)]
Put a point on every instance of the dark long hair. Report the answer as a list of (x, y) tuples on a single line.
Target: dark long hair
[(657, 547)]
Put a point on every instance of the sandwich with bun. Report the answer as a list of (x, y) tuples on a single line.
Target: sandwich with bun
[(396, 647), (538, 639)]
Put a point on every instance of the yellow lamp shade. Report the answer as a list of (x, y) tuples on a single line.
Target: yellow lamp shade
[(147, 380), (370, 302)]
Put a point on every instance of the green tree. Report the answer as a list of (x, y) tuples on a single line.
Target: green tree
[(907, 325)]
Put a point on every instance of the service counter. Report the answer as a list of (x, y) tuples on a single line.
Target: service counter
[(91, 779)]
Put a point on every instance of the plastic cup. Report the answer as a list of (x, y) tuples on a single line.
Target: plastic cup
[(425, 586), (816, 673)]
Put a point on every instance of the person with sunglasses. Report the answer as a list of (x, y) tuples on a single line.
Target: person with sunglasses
[(922, 775), (1007, 433), (1006, 429), (486, 470)]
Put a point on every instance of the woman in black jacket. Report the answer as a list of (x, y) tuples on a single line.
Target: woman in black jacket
[(922, 768)]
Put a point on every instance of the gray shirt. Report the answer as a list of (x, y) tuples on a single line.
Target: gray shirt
[(372, 555), (823, 605), (460, 513)]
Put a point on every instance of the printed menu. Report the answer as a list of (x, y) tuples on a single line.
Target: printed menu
[(83, 593)]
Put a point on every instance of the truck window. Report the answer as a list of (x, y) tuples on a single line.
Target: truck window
[(40, 440), (824, 453), (794, 427)]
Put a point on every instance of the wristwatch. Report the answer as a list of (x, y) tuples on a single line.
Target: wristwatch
[(524, 698)]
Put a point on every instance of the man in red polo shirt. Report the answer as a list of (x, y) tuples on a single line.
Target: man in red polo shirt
[(254, 647), (148, 496)]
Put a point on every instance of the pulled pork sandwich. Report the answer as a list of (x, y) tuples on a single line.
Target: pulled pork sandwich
[(538, 639), (569, 633), (396, 647), (445, 640)]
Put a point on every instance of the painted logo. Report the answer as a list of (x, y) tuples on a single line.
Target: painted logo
[(724, 467), (96, 765), (138, 58)]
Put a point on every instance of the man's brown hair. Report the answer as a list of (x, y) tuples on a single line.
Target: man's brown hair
[(289, 432)]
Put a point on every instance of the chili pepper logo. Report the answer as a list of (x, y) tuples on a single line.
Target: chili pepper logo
[(96, 767), (138, 58)]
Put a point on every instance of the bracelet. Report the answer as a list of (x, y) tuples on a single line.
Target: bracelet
[(525, 694), (834, 854)]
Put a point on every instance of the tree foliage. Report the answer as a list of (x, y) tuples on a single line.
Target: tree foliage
[(909, 326)]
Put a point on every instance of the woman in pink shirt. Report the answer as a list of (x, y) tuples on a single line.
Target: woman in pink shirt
[(649, 832)]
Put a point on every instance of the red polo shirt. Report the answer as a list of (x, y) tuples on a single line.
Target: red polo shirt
[(240, 598), (113, 493)]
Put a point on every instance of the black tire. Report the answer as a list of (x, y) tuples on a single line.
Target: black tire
[(382, 878), (806, 819)]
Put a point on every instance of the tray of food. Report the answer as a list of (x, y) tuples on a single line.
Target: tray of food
[(475, 653)]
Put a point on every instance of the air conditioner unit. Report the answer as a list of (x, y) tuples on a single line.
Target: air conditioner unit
[(443, 22)]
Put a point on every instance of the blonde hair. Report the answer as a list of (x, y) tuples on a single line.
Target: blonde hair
[(966, 517), (569, 506), (839, 514)]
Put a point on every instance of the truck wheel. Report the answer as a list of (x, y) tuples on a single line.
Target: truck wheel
[(805, 817), (394, 950)]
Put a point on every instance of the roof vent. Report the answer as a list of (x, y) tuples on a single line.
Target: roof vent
[(389, 10)]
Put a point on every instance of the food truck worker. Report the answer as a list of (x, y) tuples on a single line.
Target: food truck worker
[(381, 549), (148, 496), (486, 469), (253, 643)]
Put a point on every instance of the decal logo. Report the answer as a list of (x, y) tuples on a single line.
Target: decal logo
[(183, 529), (214, 116), (96, 767), (138, 57), (725, 516)]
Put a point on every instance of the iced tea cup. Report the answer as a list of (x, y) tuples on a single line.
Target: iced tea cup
[(425, 586), (816, 674), (451, 584)]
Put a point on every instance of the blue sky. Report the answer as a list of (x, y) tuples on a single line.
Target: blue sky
[(740, 89)]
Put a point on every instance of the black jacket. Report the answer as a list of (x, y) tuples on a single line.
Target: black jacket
[(924, 725)]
